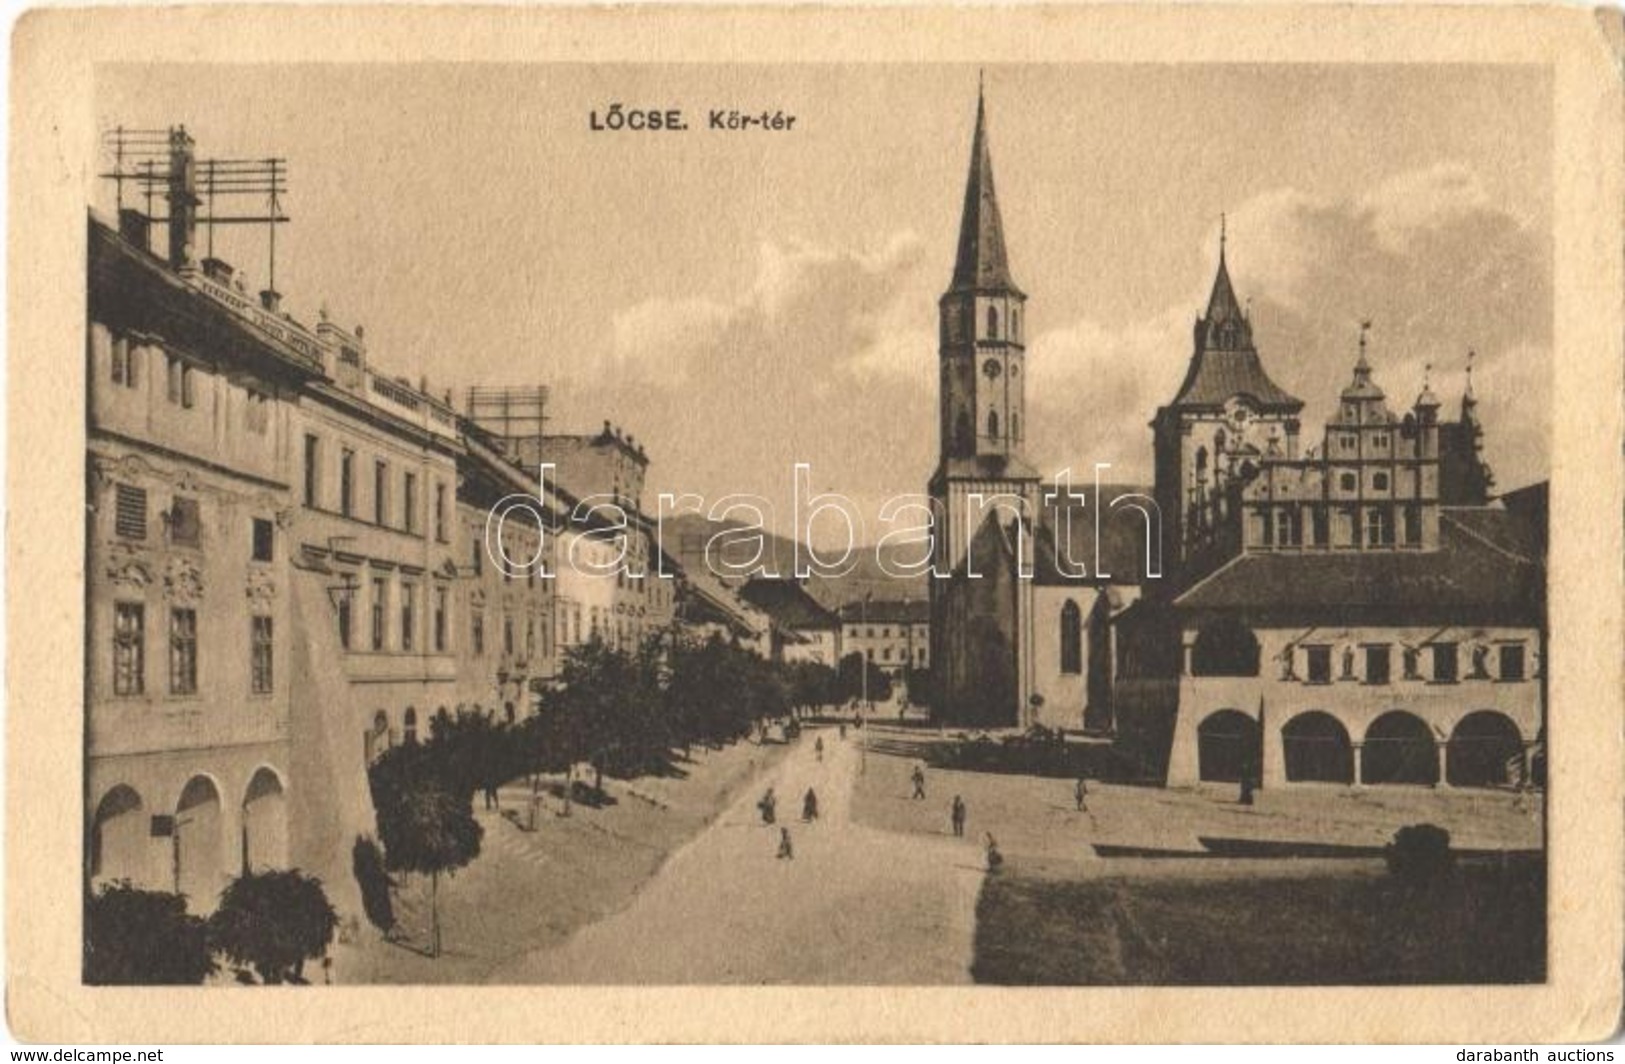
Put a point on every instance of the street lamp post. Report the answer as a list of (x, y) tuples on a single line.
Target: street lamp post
[(863, 656)]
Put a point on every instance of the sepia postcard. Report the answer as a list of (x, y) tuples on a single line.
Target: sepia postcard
[(885, 524)]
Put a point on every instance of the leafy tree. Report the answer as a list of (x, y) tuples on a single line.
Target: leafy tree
[(473, 750), (372, 877), (813, 684), (853, 667), (273, 922), (1420, 854), (608, 709), (425, 826), (137, 937)]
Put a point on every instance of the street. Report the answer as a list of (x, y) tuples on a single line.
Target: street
[(855, 905)]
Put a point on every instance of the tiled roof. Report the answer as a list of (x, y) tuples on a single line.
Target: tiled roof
[(1217, 375), (788, 603), (1482, 567), (887, 611), (1122, 540)]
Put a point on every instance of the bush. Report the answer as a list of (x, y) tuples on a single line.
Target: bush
[(373, 878), (273, 922), (143, 937), (1420, 853)]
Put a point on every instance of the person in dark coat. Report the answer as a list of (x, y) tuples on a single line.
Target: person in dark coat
[(958, 816), (786, 851), (809, 806), (919, 782), (768, 805)]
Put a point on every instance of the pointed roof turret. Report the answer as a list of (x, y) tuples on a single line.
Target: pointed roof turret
[(1427, 400), (981, 263), (1222, 305), (1225, 363), (1363, 387)]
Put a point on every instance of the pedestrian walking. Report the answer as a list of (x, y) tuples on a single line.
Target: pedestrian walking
[(768, 805), (1081, 794), (809, 806), (958, 817), (818, 748), (786, 851), (919, 782), (994, 857)]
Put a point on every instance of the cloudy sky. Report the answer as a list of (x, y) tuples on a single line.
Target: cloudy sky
[(744, 301)]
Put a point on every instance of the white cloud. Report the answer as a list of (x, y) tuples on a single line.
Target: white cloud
[(1436, 266)]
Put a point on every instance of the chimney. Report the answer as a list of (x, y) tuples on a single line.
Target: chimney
[(183, 198), (135, 228), (271, 300)]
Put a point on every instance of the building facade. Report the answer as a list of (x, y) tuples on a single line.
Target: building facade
[(192, 413), (1359, 613)]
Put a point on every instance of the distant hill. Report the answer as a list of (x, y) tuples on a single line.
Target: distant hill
[(686, 535)]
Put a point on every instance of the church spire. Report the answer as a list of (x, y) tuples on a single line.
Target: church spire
[(981, 263), (1222, 305)]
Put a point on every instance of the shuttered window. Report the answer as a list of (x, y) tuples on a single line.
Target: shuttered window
[(130, 516)]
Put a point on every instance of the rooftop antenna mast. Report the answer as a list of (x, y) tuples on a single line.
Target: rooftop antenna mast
[(159, 161)]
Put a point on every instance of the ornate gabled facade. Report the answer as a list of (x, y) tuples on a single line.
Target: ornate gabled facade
[(1361, 612)]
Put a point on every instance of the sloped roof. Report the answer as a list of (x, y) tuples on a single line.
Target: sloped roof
[(887, 611), (1225, 363), (788, 603), (1482, 567), (1121, 536), (1216, 375)]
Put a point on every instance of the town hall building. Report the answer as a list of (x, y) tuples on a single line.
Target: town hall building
[(1359, 610)]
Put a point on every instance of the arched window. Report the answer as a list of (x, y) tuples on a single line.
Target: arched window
[(993, 423), (1225, 647), (1015, 426), (1015, 325), (992, 323), (411, 721), (1071, 638), (1201, 463)]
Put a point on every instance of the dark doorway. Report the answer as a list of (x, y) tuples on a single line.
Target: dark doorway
[(1399, 748), (1317, 749), (1226, 746), (1485, 751)]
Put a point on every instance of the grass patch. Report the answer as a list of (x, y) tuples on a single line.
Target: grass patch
[(1486, 923)]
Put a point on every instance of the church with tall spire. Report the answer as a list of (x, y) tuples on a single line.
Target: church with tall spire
[(1357, 609), (984, 492)]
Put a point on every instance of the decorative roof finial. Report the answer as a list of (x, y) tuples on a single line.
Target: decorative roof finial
[(1222, 233), (1471, 354), (1363, 366)]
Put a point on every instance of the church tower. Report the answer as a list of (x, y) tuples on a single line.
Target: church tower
[(984, 493), (1226, 418)]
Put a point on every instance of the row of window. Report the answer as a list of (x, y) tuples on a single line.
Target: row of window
[(885, 632), (383, 512), (1339, 527), (130, 651), (127, 355), (182, 521), (406, 602), (1509, 664)]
